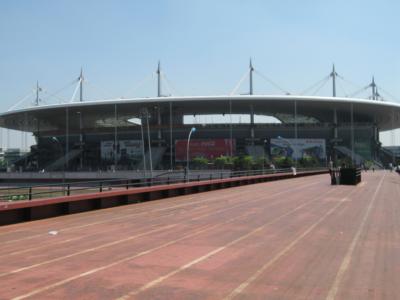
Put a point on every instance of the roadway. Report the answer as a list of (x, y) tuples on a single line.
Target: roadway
[(291, 239)]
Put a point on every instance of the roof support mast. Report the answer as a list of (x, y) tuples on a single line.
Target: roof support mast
[(81, 86), (333, 75), (251, 78), (374, 89), (37, 93), (158, 80)]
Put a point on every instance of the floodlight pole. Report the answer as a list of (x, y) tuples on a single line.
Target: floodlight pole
[(193, 129)]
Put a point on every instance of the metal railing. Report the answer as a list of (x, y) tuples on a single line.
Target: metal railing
[(33, 192)]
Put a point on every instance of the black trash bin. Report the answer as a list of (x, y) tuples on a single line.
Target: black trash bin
[(350, 176)]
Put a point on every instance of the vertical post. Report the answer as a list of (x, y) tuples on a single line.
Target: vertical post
[(81, 86), (80, 140), (159, 124), (333, 75), (251, 78), (393, 141), (295, 132), (252, 135), (352, 132), (171, 146), (115, 137), (158, 80), (230, 128), (149, 143), (193, 129), (143, 150), (373, 86), (37, 93), (335, 134), (66, 163)]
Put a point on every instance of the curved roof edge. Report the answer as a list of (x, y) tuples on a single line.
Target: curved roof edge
[(205, 98)]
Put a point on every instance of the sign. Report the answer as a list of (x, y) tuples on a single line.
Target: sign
[(126, 149), (207, 148), (298, 148)]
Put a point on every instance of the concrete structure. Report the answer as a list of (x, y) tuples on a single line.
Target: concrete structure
[(143, 133)]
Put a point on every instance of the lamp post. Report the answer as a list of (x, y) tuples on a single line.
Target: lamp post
[(139, 121), (187, 152), (149, 142), (64, 163)]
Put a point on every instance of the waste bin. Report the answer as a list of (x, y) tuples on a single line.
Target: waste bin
[(350, 176)]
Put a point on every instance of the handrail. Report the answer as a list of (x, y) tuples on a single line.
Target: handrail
[(66, 189)]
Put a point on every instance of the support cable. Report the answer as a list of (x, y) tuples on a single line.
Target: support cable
[(360, 91), (22, 100), (271, 82), (393, 98), (312, 87), (103, 91), (237, 86), (321, 86), (140, 84), (170, 85), (60, 90), (75, 91)]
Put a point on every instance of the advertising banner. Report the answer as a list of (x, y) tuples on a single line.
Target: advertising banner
[(298, 148), (207, 148), (126, 149)]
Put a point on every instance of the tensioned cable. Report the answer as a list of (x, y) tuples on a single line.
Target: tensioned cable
[(61, 89), (342, 87), (360, 90), (22, 100), (140, 84), (321, 86), (76, 90), (169, 83), (387, 93), (101, 90), (271, 82), (239, 83), (315, 85)]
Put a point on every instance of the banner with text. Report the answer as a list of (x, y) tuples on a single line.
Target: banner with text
[(298, 148), (207, 148)]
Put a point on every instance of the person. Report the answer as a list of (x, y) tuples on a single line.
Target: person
[(294, 171)]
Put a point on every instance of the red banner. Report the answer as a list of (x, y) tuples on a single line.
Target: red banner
[(210, 148)]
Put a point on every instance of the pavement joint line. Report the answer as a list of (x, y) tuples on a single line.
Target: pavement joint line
[(283, 252), (117, 218), (127, 216), (204, 229), (87, 250), (347, 258), (201, 216), (215, 251), (129, 238)]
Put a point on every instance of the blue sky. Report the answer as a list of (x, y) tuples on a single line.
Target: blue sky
[(204, 46)]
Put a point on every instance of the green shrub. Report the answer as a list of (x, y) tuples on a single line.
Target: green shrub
[(200, 162)]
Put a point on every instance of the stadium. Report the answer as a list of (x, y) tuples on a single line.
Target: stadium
[(152, 133)]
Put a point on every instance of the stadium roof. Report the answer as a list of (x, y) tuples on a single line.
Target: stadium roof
[(385, 114)]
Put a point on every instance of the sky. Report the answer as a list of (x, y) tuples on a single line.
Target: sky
[(204, 47)]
